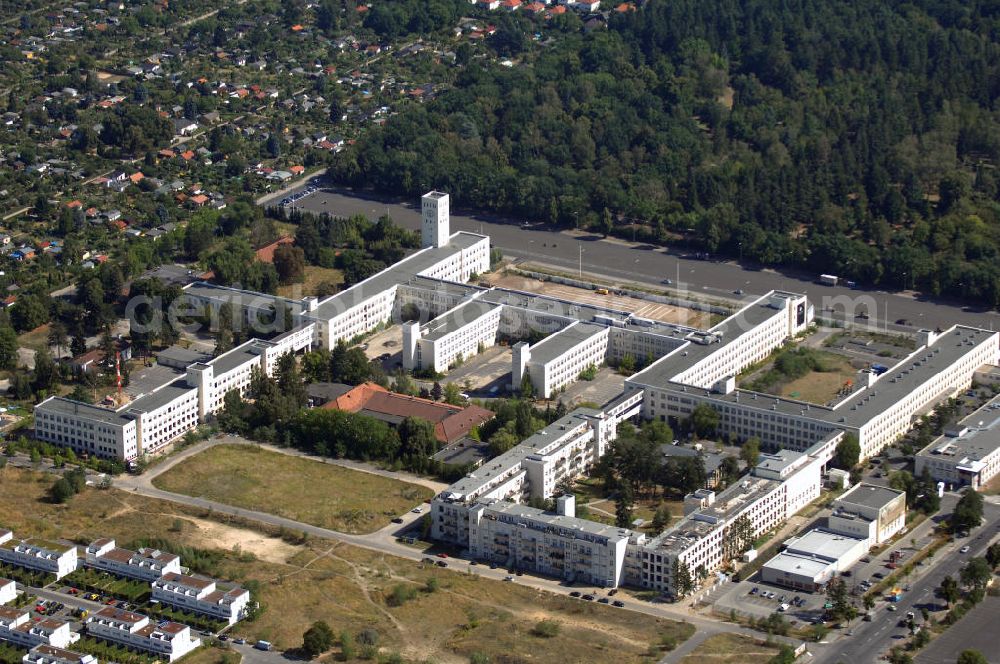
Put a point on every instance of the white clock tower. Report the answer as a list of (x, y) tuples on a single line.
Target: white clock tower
[(436, 228)]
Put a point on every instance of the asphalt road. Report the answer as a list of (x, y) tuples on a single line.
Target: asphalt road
[(871, 640), (645, 263)]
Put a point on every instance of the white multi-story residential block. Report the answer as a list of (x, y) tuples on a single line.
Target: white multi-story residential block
[(448, 339), (17, 627), (564, 449), (967, 454), (50, 557), (152, 420), (201, 595), (522, 537), (46, 654), (166, 639), (560, 358), (8, 591), (689, 368), (145, 564)]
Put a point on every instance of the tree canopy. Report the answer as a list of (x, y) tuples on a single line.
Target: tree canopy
[(856, 138)]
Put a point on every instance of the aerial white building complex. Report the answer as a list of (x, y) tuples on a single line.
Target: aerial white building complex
[(689, 368), (154, 419), (864, 517), (446, 320), (46, 654), (17, 627)]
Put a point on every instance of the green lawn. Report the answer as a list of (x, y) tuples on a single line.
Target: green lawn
[(293, 487)]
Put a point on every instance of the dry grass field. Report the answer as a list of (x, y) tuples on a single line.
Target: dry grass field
[(301, 489), (730, 649), (348, 587), (314, 276), (818, 387)]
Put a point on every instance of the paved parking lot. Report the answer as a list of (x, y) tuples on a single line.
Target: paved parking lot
[(767, 600), (606, 386), (484, 375)]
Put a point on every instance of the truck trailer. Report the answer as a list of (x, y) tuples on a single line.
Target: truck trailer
[(828, 279)]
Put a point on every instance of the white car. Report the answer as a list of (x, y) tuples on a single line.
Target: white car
[(964, 549), (417, 510)]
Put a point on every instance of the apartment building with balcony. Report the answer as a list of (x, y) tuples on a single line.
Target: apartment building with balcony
[(46, 654), (558, 545), (17, 627), (40, 555), (146, 564), (202, 595), (165, 639), (564, 449), (450, 338)]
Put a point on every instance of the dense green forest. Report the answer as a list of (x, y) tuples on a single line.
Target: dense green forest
[(857, 137)]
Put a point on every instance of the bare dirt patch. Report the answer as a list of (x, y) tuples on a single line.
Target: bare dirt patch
[(665, 313)]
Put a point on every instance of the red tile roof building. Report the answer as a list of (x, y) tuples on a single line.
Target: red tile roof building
[(450, 422)]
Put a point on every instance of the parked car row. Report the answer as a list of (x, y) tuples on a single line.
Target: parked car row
[(308, 191), (781, 599), (588, 597)]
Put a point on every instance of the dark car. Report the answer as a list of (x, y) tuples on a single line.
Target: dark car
[(575, 593), (398, 519), (442, 563), (878, 575), (902, 321), (589, 598), (618, 603), (603, 600)]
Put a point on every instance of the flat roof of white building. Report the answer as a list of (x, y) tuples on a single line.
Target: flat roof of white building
[(558, 343), (791, 563), (473, 482), (868, 495), (393, 276), (823, 545), (703, 344), (457, 318), (564, 526), (978, 437)]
